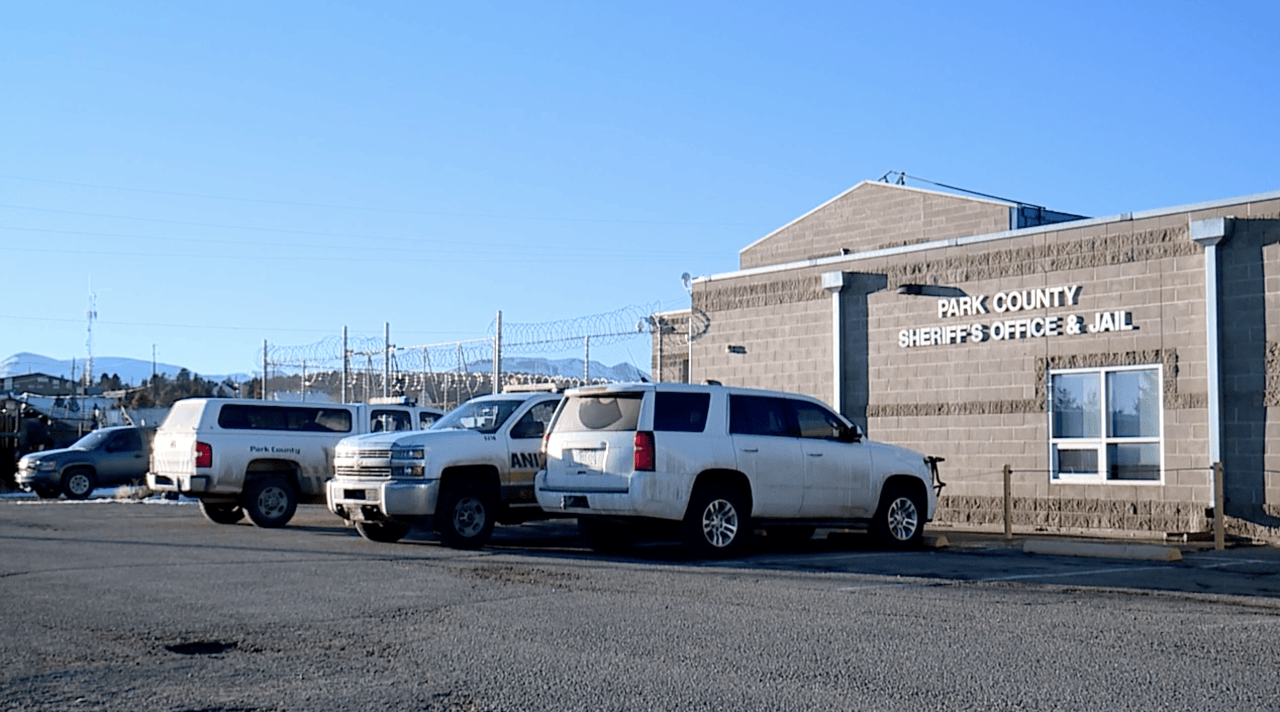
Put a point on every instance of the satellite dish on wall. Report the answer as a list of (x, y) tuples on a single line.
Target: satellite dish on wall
[(687, 280)]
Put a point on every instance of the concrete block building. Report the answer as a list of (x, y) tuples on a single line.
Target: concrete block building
[(1108, 363)]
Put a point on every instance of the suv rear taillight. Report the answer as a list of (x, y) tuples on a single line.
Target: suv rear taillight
[(204, 455), (644, 461)]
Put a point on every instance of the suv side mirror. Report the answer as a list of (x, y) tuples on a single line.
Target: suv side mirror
[(851, 435)]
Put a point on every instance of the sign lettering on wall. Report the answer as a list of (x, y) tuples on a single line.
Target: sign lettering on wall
[(1009, 329)]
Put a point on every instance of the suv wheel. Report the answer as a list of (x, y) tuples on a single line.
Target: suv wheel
[(270, 503), (464, 515), (221, 512), (382, 532), (78, 483), (899, 521), (717, 522)]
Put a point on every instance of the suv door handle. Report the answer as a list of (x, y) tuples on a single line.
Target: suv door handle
[(751, 449), (814, 454)]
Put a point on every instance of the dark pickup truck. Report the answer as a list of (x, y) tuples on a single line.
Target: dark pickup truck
[(107, 456)]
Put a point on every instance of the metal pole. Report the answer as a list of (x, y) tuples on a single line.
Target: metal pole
[(586, 359), (1008, 502), (1219, 508), (658, 324), (346, 367), (689, 376), (386, 359), (497, 355), (264, 369)]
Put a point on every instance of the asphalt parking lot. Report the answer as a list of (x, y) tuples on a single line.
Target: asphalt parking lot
[(147, 606)]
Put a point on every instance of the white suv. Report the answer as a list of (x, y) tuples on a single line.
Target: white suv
[(721, 461)]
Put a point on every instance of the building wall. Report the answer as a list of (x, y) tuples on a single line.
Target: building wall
[(873, 216), (984, 405)]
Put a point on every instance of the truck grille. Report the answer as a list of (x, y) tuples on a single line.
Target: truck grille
[(345, 471)]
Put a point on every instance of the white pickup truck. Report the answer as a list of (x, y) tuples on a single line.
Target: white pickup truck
[(473, 468), (263, 458)]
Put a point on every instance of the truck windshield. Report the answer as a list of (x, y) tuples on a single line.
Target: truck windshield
[(482, 416), (91, 440)]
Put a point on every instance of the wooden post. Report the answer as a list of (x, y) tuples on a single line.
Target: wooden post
[(1008, 502), (1219, 508)]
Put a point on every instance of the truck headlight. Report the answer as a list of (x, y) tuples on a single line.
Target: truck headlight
[(408, 461), (407, 470), (46, 465)]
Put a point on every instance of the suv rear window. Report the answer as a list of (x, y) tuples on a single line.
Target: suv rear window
[(680, 412), (609, 411), (236, 416)]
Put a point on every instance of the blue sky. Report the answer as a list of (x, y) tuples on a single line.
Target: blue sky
[(220, 174)]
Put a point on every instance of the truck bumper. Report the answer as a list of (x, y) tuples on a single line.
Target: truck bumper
[(182, 483), (378, 500), (30, 479)]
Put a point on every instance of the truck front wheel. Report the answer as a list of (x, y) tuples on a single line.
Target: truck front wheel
[(270, 503), (382, 532), (464, 515), (78, 483)]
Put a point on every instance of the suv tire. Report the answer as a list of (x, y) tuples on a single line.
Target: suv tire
[(221, 512), (899, 520), (464, 515), (717, 523), (383, 532), (78, 483), (270, 503)]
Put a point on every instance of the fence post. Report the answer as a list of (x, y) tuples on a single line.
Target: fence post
[(264, 369), (1219, 509), (497, 354), (1008, 502)]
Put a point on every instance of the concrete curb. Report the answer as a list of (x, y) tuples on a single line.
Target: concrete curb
[(1143, 552)]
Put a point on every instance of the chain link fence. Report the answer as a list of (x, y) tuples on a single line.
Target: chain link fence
[(358, 368)]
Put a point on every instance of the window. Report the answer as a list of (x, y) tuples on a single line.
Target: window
[(254, 417), (817, 422), (534, 423), (1105, 424), (760, 415), (678, 412), (601, 412), (485, 416), (389, 420)]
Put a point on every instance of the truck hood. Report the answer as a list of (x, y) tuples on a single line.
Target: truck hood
[(413, 438), (62, 454)]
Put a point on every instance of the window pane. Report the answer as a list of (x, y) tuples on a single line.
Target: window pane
[(816, 422), (1077, 406), (1078, 462), (759, 415), (1133, 408), (609, 412), (680, 412), (1137, 461)]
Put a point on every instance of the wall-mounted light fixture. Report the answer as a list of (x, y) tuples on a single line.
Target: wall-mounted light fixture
[(735, 349), (912, 289)]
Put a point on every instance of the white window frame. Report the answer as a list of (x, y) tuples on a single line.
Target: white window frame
[(1100, 444)]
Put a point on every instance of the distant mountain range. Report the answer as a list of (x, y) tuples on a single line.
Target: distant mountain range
[(134, 371)]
